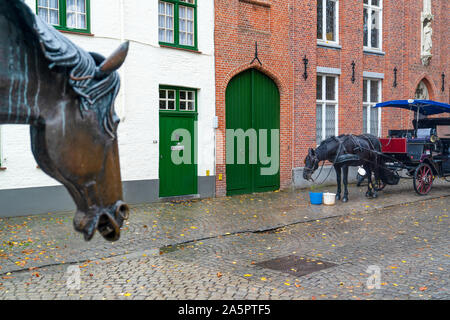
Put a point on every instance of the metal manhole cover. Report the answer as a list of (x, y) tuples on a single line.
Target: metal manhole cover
[(297, 266)]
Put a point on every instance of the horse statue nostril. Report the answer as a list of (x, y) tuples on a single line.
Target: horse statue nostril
[(122, 210), (108, 227)]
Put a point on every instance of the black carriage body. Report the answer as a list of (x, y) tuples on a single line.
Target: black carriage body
[(424, 151)]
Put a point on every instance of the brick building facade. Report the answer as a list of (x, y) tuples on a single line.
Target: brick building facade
[(351, 47)]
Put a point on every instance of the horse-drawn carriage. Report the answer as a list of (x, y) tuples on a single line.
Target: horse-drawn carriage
[(422, 152)]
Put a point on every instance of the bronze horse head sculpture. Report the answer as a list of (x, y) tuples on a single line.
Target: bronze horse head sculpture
[(67, 97)]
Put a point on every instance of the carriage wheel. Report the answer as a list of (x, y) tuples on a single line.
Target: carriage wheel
[(423, 179)]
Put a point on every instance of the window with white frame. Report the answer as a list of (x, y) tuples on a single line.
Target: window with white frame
[(328, 20), (70, 15), (76, 14), (166, 22), (177, 23), (371, 116), (167, 99), (187, 100), (48, 10), (373, 24), (326, 107)]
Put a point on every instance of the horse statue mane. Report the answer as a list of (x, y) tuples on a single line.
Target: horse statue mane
[(85, 76)]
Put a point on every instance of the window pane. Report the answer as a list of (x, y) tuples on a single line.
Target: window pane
[(376, 3), (71, 5), (54, 17), (169, 9), (330, 121), (366, 28), (171, 94), (366, 1), (375, 29), (161, 22), (71, 20), (182, 105), (171, 105), (169, 35), (331, 20), (190, 14), (43, 3), (53, 4), (365, 128), (81, 6), (165, 22), (161, 35), (374, 121), (319, 19), (183, 95), (81, 21), (162, 104), (374, 91), (186, 26), (162, 94), (319, 88), (182, 12), (330, 88), (43, 13), (365, 91), (318, 123), (190, 105)]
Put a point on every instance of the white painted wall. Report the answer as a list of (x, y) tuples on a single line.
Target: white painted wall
[(147, 66)]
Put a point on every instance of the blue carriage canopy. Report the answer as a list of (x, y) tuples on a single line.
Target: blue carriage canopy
[(425, 107)]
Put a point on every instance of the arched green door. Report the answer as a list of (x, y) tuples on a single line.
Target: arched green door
[(252, 116)]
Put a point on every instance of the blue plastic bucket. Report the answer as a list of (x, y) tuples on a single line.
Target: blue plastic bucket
[(316, 197)]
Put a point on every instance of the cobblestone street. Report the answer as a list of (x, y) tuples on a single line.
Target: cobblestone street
[(213, 249)]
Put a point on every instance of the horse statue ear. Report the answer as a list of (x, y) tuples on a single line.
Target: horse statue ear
[(114, 61), (311, 151)]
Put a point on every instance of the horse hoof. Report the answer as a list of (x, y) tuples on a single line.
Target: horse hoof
[(368, 194), (344, 199), (374, 195), (338, 197)]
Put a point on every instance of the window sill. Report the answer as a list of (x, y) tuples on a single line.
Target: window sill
[(328, 45), (178, 48), (76, 32), (374, 51), (262, 3)]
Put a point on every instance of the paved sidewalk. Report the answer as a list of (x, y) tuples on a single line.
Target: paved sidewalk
[(45, 240), (407, 246)]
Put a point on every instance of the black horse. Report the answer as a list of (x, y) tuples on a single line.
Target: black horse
[(344, 151)]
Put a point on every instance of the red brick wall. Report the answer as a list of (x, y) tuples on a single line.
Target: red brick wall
[(238, 25), (286, 33)]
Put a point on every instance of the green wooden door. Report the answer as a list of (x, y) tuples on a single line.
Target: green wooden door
[(177, 177), (253, 105)]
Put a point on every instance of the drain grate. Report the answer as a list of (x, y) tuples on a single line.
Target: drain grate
[(297, 266)]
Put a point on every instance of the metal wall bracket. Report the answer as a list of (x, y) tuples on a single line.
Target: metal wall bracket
[(256, 58), (305, 62)]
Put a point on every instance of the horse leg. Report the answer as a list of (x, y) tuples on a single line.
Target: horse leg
[(338, 178), (345, 170), (369, 192), (377, 176)]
